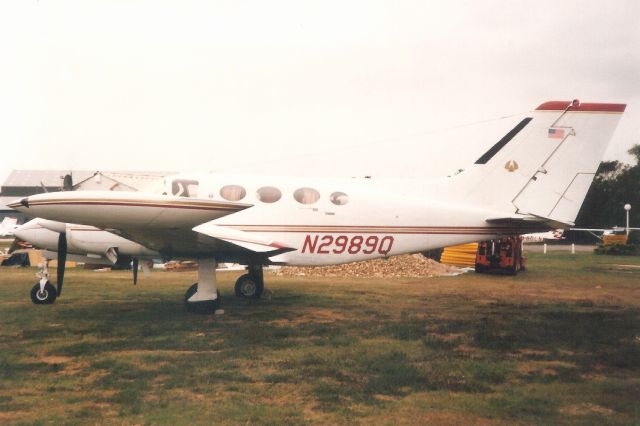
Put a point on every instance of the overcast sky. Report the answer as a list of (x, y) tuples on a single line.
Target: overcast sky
[(395, 88)]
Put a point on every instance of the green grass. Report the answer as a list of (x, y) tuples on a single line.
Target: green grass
[(558, 344)]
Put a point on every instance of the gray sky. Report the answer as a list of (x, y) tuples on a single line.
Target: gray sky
[(300, 87)]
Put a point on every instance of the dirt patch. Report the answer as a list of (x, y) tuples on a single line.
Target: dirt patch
[(410, 265), (585, 409), (531, 352), (623, 269), (55, 359), (544, 368), (410, 416), (6, 416)]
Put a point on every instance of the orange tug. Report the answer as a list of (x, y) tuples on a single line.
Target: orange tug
[(502, 255)]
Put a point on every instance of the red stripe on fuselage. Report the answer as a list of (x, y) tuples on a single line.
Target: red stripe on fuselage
[(418, 230), (131, 204)]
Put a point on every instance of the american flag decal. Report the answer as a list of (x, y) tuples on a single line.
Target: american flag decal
[(555, 133)]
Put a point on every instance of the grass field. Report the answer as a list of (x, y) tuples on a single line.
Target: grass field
[(559, 344)]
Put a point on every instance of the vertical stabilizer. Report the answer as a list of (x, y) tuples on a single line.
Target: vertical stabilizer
[(545, 165)]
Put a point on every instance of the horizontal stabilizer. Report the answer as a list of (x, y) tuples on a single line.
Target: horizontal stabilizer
[(243, 239), (527, 222)]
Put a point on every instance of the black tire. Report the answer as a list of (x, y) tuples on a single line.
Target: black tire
[(204, 307), (44, 297), (479, 268), (248, 287)]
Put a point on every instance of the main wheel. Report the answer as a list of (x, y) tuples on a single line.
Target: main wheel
[(202, 307), (249, 287), (479, 268), (43, 297)]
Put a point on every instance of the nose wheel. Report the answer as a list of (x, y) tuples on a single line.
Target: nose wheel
[(43, 296)]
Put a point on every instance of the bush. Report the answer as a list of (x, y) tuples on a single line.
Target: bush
[(618, 249)]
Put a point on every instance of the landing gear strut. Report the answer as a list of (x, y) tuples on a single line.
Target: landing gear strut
[(203, 297), (251, 285)]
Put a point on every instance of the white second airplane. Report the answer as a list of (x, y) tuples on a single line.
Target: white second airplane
[(532, 180)]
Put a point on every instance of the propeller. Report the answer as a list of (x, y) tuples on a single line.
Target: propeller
[(135, 270), (62, 259), (15, 245)]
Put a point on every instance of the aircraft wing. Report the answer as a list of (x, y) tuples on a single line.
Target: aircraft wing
[(168, 224), (160, 222), (590, 229)]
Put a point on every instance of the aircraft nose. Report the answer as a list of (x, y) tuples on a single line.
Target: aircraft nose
[(20, 205)]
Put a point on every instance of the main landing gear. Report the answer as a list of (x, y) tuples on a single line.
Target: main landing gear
[(251, 285), (203, 297)]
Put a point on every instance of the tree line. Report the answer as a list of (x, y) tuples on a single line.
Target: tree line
[(614, 185)]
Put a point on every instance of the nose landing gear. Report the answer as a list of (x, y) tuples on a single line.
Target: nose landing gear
[(43, 293)]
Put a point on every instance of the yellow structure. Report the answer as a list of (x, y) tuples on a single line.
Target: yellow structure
[(462, 255), (614, 239)]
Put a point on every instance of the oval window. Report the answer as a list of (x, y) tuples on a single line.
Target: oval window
[(232, 192), (339, 198), (306, 195), (269, 194)]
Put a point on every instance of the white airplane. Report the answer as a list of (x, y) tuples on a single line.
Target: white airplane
[(8, 226), (599, 233), (533, 179), (80, 243), (539, 237)]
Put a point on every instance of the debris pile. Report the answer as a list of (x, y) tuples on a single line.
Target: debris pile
[(409, 265)]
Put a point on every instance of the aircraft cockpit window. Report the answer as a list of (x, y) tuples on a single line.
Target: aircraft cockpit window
[(184, 188), (232, 192), (306, 195), (269, 194), (339, 198)]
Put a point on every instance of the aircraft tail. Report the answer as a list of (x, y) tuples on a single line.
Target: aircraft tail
[(544, 166)]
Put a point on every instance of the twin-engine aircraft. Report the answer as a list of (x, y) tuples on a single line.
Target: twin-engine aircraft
[(532, 180)]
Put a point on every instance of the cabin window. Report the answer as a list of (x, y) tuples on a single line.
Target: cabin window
[(339, 198), (184, 188), (232, 192), (306, 195), (269, 194)]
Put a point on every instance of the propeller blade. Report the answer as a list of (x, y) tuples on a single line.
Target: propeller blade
[(135, 270), (15, 245), (62, 259)]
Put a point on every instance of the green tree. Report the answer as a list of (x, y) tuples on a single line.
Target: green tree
[(614, 185)]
